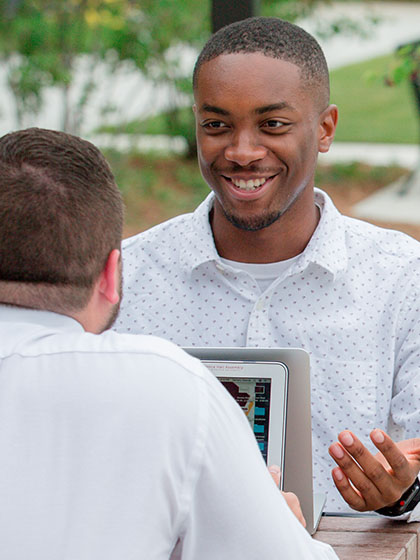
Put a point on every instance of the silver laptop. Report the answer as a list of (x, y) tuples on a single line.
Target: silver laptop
[(294, 451)]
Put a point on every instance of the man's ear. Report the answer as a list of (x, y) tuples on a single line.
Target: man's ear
[(327, 125), (109, 281)]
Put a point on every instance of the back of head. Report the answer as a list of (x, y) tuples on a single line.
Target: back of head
[(61, 214), (274, 38)]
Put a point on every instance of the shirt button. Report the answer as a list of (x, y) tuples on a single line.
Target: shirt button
[(220, 267), (260, 304)]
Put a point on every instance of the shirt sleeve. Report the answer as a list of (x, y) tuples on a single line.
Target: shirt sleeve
[(236, 511), (405, 405)]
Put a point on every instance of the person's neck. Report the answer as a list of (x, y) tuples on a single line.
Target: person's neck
[(282, 240)]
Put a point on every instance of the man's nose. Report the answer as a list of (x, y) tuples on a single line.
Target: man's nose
[(244, 149)]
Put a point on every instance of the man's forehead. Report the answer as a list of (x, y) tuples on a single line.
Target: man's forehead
[(266, 79), (251, 61)]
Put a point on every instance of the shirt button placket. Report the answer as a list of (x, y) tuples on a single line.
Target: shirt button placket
[(258, 334)]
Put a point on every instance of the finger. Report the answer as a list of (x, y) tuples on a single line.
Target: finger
[(274, 470), (294, 504), (356, 449), (349, 494), (412, 448), (401, 468), (357, 476)]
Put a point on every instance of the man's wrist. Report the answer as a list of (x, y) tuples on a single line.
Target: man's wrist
[(405, 504)]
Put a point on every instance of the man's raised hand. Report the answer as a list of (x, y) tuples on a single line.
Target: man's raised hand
[(369, 482)]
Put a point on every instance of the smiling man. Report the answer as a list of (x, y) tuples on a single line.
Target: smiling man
[(267, 260), (258, 148)]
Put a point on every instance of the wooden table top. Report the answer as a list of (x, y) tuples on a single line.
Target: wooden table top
[(370, 538)]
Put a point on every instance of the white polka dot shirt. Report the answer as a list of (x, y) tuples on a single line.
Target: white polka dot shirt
[(351, 300)]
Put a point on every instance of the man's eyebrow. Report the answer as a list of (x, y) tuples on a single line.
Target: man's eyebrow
[(214, 109), (274, 107)]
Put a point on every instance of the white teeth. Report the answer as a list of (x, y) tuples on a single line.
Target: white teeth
[(248, 185)]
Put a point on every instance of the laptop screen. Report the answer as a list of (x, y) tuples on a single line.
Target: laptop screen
[(253, 396), (260, 390)]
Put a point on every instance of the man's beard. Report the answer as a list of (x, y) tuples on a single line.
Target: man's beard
[(253, 223), (112, 317)]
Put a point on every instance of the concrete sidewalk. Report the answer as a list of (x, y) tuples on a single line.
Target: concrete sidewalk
[(403, 155)]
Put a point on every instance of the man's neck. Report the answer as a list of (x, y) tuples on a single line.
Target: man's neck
[(282, 240)]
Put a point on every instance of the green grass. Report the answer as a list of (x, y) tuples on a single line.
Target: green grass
[(370, 111)]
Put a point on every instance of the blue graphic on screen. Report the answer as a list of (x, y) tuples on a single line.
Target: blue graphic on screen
[(253, 396)]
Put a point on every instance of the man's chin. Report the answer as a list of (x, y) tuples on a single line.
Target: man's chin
[(253, 223)]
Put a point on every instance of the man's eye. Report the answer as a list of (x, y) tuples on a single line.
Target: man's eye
[(274, 124), (214, 125)]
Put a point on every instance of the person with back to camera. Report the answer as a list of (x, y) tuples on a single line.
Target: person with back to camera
[(112, 446), (267, 260)]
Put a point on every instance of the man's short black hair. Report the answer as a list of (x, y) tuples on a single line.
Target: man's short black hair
[(274, 38)]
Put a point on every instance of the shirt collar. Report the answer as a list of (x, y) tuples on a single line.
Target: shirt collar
[(11, 314), (326, 248), (199, 244)]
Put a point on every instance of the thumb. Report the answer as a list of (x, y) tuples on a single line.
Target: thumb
[(274, 470)]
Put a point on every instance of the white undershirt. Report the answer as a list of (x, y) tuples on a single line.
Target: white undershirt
[(264, 273)]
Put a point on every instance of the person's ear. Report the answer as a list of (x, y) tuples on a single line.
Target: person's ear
[(327, 125), (109, 282)]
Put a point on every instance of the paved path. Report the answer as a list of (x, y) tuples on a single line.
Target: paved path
[(404, 155)]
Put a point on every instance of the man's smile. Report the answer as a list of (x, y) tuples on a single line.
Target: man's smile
[(247, 183)]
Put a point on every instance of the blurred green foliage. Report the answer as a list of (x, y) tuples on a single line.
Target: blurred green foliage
[(42, 40)]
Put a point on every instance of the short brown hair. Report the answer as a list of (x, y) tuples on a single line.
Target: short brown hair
[(61, 214)]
